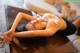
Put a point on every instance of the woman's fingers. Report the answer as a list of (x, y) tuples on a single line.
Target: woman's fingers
[(7, 38), (6, 41)]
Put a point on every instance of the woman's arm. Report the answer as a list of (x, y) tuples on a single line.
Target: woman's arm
[(9, 34), (19, 17), (36, 33), (51, 29)]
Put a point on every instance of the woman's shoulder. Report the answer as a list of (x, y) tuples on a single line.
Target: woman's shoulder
[(57, 23)]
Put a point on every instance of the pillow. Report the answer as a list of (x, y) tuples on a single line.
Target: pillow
[(41, 7), (25, 5)]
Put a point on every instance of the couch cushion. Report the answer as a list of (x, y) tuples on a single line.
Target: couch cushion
[(41, 6)]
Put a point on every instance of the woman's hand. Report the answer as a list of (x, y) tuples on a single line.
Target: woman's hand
[(8, 36)]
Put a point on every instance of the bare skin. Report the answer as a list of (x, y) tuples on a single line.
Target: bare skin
[(34, 30), (50, 27)]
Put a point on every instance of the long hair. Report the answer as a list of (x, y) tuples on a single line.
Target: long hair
[(32, 41)]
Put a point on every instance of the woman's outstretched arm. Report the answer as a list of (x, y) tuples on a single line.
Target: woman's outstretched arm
[(36, 33), (9, 34), (19, 17), (51, 29)]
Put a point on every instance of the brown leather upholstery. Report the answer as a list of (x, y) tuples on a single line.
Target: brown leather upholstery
[(11, 13)]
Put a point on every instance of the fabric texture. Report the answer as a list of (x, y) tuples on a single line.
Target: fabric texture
[(71, 29)]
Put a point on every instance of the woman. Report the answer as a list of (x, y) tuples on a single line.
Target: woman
[(49, 22)]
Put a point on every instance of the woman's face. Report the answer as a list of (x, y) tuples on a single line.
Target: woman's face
[(36, 24)]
